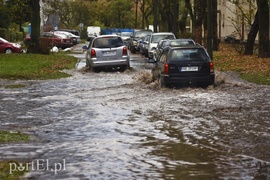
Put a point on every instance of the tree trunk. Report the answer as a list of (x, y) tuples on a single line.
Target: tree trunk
[(252, 36), (175, 26), (263, 16), (215, 27), (155, 13), (35, 26), (198, 6)]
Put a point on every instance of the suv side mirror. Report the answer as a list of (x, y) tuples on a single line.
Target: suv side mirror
[(84, 47)]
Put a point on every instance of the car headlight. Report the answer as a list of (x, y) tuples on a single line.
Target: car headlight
[(17, 45)]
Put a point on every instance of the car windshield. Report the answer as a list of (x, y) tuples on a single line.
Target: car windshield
[(141, 34), (65, 33), (158, 37), (196, 54), (108, 42), (62, 36)]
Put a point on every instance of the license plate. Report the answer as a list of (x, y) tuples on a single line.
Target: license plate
[(109, 53), (191, 68)]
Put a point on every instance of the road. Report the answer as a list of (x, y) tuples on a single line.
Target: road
[(113, 125)]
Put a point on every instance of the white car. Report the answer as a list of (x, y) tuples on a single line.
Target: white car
[(155, 38)]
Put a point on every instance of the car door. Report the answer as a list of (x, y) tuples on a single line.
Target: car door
[(158, 69)]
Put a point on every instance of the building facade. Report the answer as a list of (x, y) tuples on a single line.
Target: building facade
[(235, 17)]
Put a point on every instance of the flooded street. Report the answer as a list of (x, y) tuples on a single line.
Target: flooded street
[(113, 125)]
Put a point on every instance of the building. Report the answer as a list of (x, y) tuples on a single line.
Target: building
[(235, 17)]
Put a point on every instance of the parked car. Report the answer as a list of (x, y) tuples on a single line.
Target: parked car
[(53, 39), (172, 43), (125, 37), (9, 47), (107, 51), (75, 32), (137, 35), (143, 45), (230, 39), (184, 65), (75, 39), (155, 38), (159, 48)]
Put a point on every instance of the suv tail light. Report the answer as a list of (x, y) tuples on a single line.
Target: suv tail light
[(93, 53), (166, 68), (211, 67), (124, 51)]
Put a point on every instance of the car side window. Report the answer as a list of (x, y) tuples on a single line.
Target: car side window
[(163, 57)]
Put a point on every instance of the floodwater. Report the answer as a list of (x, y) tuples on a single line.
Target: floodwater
[(113, 125)]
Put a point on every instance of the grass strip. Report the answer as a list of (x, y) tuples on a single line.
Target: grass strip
[(250, 68), (35, 66)]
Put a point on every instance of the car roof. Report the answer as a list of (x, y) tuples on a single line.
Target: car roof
[(185, 47), (136, 30), (109, 35), (182, 39), (161, 33)]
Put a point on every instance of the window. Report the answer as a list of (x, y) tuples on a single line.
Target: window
[(108, 42)]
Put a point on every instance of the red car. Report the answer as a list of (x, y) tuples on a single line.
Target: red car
[(58, 40), (8, 47)]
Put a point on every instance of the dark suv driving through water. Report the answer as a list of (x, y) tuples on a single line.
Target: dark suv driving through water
[(184, 65)]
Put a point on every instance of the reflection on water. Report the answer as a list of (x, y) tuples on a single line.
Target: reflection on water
[(109, 126)]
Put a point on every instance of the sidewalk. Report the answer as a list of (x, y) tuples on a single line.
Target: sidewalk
[(77, 48)]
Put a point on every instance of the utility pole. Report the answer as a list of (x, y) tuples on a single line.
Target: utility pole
[(210, 29)]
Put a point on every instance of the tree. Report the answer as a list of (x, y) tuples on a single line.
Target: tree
[(155, 14), (215, 26), (4, 16), (263, 16), (120, 13), (35, 26), (184, 11), (146, 10), (19, 11), (199, 18), (252, 36)]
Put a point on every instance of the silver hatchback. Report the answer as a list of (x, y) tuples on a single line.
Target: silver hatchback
[(107, 51)]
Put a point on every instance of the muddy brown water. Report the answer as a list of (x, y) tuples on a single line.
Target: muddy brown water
[(113, 125)]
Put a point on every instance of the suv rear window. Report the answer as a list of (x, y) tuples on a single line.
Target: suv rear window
[(108, 42), (188, 55)]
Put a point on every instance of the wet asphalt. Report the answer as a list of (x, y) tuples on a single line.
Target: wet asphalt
[(113, 125)]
